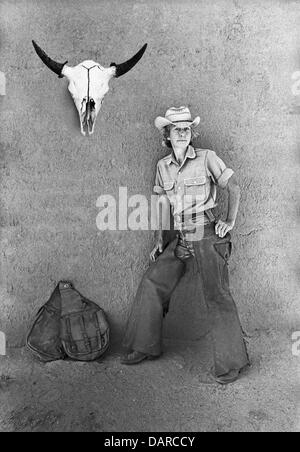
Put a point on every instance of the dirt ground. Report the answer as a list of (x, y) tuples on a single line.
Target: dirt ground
[(171, 394)]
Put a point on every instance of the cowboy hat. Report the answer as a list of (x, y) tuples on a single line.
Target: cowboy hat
[(174, 115)]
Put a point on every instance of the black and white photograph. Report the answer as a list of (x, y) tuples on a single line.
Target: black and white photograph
[(149, 218)]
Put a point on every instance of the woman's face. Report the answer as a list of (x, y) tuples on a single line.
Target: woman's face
[(180, 135)]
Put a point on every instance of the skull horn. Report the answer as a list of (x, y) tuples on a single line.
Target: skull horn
[(125, 67), (53, 65)]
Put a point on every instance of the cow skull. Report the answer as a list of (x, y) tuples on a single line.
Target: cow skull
[(88, 83)]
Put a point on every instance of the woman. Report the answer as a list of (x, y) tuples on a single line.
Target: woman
[(187, 180)]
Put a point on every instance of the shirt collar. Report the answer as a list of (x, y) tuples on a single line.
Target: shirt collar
[(190, 153)]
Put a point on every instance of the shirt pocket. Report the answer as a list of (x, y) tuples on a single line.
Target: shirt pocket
[(169, 187), (196, 186)]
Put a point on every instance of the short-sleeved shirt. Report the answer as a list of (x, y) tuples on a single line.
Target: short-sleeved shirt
[(192, 186)]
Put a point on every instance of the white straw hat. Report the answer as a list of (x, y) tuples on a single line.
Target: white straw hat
[(174, 115)]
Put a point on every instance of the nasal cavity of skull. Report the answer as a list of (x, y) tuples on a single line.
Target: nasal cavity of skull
[(88, 114), (92, 104), (83, 105)]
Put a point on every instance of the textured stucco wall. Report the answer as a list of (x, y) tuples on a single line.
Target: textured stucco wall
[(231, 62)]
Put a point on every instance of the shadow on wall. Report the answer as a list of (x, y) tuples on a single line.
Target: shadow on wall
[(72, 122)]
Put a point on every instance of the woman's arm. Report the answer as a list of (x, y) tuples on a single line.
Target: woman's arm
[(163, 223), (234, 194)]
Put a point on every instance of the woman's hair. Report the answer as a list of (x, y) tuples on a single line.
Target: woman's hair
[(166, 135)]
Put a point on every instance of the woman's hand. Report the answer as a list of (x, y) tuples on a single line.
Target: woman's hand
[(158, 249), (222, 227)]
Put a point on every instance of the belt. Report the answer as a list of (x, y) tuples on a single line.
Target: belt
[(197, 234), (182, 218)]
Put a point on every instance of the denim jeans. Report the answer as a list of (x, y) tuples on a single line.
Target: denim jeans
[(144, 326)]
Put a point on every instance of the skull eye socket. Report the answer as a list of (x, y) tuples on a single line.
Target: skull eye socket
[(92, 103)]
